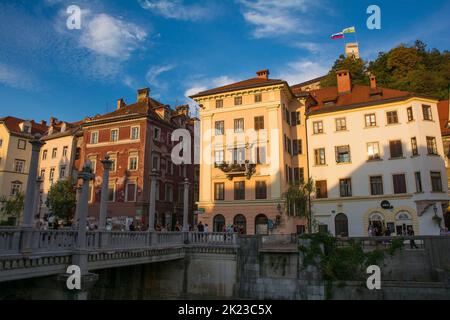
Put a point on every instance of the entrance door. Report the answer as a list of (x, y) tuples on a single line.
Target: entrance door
[(261, 224), (341, 225), (218, 223)]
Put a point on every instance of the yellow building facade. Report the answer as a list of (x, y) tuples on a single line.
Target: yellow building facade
[(253, 145)]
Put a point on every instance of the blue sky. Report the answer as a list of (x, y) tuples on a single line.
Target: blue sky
[(179, 47)]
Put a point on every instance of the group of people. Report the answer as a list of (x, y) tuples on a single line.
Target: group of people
[(378, 231)]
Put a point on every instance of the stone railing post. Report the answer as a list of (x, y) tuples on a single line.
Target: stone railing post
[(28, 212), (104, 198), (152, 205)]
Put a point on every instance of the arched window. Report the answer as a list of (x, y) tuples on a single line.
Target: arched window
[(403, 222), (376, 223), (241, 223), (341, 225), (218, 223), (261, 224)]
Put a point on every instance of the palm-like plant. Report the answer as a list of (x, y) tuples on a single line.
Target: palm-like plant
[(297, 200)]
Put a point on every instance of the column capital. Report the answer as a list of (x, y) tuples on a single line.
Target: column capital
[(154, 173), (106, 163), (185, 182), (36, 143), (86, 176)]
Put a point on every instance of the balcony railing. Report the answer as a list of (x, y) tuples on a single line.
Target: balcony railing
[(232, 170)]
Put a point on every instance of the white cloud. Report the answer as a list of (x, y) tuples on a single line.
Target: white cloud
[(310, 46), (302, 70), (273, 17), (176, 9), (16, 78), (109, 36), (154, 72)]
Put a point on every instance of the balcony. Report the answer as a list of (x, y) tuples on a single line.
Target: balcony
[(232, 170)]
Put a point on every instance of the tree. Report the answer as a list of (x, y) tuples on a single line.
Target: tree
[(12, 206), (61, 199), (297, 201)]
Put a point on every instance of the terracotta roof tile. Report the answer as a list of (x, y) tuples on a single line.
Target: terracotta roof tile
[(249, 83), (12, 123), (443, 107)]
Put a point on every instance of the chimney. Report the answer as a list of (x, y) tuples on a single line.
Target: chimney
[(373, 81), (43, 123), (143, 94), (52, 121), (120, 103), (263, 74), (344, 82)]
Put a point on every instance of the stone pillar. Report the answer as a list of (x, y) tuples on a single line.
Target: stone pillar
[(152, 203), (28, 217), (186, 205), (104, 199), (37, 202)]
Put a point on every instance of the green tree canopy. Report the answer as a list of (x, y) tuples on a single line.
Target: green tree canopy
[(12, 206), (409, 68), (61, 199), (297, 200)]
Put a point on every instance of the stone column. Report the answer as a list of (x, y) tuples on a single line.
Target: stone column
[(37, 198), (152, 201), (28, 218), (186, 205), (104, 199), (78, 207)]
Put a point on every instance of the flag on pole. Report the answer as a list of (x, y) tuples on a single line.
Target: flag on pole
[(338, 35), (349, 30)]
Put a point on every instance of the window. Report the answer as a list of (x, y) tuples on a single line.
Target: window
[(414, 148), (65, 149), (289, 145), (258, 97), (371, 120), (436, 181), (319, 157), (418, 179), (345, 187), (323, 228), (259, 123), (156, 134), (392, 117), (19, 166), (426, 110), (219, 191), (169, 193), (341, 124), (114, 135), (94, 137), (343, 154), (219, 103), (130, 192), (113, 164), (133, 162), (220, 127), (239, 190), (317, 127), (396, 149), (218, 157), (1, 143), (169, 167), (42, 175), (299, 175), (44, 154), (295, 118), (54, 152), (373, 151), (431, 146), (62, 171), (93, 164), (52, 174), (321, 189), (260, 190), (399, 183), (409, 112), (237, 101), (156, 162), (134, 133), (111, 192), (261, 155), (297, 147), (238, 155), (376, 185), (16, 188), (239, 125), (21, 144), (286, 115)]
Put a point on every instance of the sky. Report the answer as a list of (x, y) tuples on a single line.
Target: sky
[(180, 47)]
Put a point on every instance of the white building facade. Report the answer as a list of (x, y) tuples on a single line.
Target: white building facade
[(377, 164)]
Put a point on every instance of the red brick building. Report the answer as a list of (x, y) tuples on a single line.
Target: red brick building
[(137, 138)]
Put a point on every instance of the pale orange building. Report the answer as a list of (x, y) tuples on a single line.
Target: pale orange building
[(253, 144)]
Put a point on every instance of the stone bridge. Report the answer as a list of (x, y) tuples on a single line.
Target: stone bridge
[(37, 253)]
